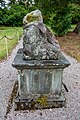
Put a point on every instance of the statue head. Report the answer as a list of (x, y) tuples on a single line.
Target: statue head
[(33, 17)]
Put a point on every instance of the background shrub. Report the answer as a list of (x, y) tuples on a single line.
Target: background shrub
[(13, 16), (60, 20), (75, 13), (58, 14)]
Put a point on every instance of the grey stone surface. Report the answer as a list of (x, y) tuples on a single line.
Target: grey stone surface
[(20, 63), (33, 17), (71, 78), (38, 41), (38, 82), (43, 77), (70, 112), (34, 64)]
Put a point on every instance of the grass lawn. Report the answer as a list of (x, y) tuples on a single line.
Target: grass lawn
[(10, 32)]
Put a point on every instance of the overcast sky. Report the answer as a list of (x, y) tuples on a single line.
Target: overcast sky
[(7, 1)]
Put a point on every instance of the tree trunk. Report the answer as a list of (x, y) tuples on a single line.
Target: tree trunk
[(77, 28)]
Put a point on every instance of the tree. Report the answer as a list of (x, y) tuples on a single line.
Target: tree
[(2, 2), (76, 16), (75, 13), (61, 19), (14, 16), (1, 16), (12, 2), (58, 13), (77, 1), (77, 28)]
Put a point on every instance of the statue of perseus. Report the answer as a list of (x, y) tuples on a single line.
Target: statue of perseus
[(38, 41)]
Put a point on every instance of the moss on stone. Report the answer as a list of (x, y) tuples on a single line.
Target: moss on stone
[(42, 100), (31, 18)]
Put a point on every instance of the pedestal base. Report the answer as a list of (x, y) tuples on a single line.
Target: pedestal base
[(39, 102), (39, 82)]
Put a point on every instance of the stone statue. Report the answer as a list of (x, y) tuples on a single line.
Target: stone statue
[(40, 66), (38, 41)]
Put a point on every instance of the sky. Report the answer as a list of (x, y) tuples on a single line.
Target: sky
[(7, 1)]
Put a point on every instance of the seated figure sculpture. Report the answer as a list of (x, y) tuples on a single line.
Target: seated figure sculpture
[(38, 41)]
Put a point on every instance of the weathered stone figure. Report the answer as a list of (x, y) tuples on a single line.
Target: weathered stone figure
[(38, 41), (40, 66)]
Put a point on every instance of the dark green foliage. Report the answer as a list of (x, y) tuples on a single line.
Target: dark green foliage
[(77, 28), (75, 13), (46, 7), (1, 16), (58, 14), (60, 25), (13, 16), (61, 19), (76, 1), (12, 2)]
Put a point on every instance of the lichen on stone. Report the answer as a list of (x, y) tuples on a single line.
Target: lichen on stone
[(38, 41), (42, 100), (34, 16)]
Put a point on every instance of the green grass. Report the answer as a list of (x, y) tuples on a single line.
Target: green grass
[(10, 32), (72, 27)]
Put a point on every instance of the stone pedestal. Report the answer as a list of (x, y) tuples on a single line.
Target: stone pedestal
[(39, 82)]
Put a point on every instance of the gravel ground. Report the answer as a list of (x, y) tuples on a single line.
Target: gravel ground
[(8, 76), (71, 78)]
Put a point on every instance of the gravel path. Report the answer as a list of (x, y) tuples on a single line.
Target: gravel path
[(8, 76), (71, 77)]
